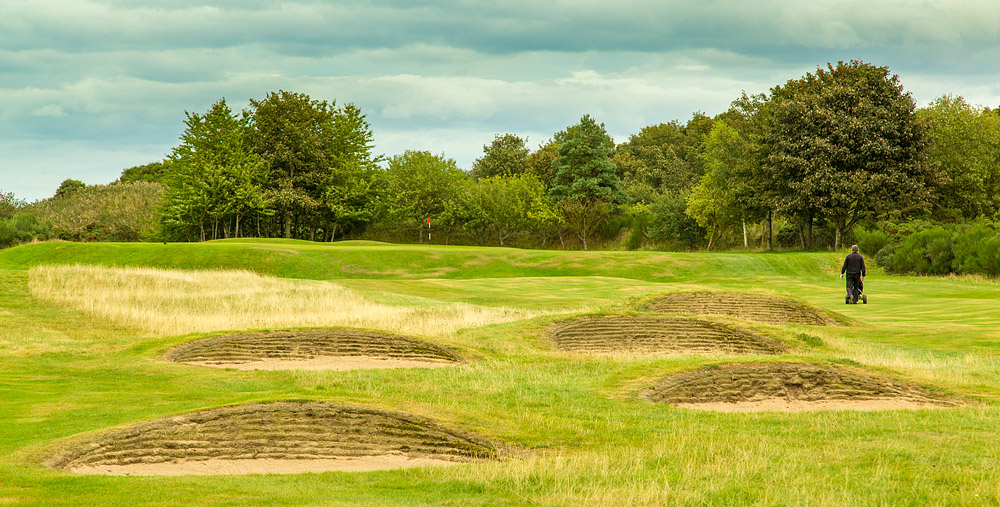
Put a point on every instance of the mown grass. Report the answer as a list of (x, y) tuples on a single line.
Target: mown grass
[(66, 373)]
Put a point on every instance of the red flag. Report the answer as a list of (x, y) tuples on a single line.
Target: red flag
[(428, 221)]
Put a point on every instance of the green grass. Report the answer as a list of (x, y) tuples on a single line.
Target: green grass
[(588, 438)]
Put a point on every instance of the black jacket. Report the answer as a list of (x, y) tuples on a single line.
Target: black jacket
[(854, 264)]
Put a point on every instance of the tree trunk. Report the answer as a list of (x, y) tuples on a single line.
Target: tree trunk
[(745, 245), (770, 230), (809, 238), (711, 238), (287, 217)]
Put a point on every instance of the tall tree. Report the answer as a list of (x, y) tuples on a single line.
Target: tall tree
[(302, 141), (964, 149), (507, 155), (845, 144), (216, 179), (506, 205), (724, 195), (586, 184), (540, 162), (583, 166), (418, 184), (664, 156)]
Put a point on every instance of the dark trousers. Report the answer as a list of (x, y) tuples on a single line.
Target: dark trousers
[(853, 282)]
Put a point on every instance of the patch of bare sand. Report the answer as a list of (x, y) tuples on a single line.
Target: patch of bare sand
[(265, 466), (335, 363), (784, 405)]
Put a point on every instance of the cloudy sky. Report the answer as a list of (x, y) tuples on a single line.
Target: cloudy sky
[(89, 87)]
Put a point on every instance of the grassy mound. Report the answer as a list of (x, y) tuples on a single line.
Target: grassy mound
[(308, 344), (755, 307), (283, 430), (650, 334), (789, 382)]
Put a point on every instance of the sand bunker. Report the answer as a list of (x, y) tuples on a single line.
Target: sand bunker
[(282, 437), (789, 387), (314, 349), (755, 307), (651, 334)]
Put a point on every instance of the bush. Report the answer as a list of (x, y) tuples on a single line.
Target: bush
[(114, 212), (976, 249), (670, 222), (635, 236), (884, 256), (870, 241), (23, 228), (10, 205), (927, 252)]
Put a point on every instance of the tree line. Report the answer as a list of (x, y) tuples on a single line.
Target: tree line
[(837, 150)]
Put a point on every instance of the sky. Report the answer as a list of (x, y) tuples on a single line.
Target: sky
[(89, 88)]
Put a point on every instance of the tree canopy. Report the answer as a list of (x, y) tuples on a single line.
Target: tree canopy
[(507, 155), (844, 144)]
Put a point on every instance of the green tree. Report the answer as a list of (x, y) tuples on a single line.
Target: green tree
[(307, 144), (216, 178), (153, 171), (670, 221), (69, 187), (666, 156), (505, 205), (540, 162), (583, 166), (507, 155), (723, 196), (964, 148), (586, 185), (10, 205), (418, 184), (585, 216), (844, 144)]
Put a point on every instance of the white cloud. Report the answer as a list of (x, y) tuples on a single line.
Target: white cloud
[(49, 111), (107, 80)]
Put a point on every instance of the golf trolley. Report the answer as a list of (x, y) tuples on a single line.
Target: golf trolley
[(859, 294)]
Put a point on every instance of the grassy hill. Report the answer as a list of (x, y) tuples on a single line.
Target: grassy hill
[(71, 370)]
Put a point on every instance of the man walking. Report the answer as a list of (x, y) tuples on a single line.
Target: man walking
[(854, 266)]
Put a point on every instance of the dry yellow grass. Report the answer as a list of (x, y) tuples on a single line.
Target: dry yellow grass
[(170, 302)]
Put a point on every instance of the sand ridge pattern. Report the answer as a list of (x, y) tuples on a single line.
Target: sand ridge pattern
[(651, 334), (755, 307), (280, 432), (332, 348), (789, 386)]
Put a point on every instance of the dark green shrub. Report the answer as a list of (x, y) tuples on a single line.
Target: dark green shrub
[(977, 249), (927, 252), (23, 228), (870, 241), (884, 256), (635, 236), (669, 222)]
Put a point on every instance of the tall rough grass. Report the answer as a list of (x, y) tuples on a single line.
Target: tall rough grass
[(170, 302)]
